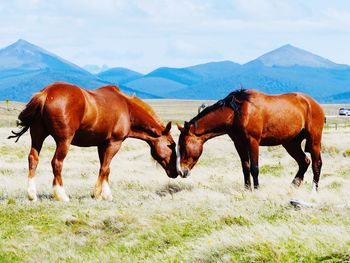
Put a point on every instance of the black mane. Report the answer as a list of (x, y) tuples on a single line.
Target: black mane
[(233, 100)]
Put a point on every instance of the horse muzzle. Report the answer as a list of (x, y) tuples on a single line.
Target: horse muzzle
[(172, 174), (185, 173)]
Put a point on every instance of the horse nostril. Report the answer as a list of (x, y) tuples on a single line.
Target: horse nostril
[(185, 171)]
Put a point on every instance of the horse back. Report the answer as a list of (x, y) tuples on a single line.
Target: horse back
[(276, 119), (91, 117)]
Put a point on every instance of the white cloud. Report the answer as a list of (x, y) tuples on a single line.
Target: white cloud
[(150, 33)]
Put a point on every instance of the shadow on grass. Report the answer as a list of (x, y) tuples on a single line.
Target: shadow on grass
[(173, 188)]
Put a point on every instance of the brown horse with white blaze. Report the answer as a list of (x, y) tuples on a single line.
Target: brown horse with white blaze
[(251, 118), (104, 118)]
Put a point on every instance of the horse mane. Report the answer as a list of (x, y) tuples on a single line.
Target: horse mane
[(148, 109), (135, 101), (109, 87), (234, 100)]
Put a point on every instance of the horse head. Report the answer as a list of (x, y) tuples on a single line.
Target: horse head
[(189, 149), (163, 150)]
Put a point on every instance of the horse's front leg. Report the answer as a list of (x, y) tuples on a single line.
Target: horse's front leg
[(243, 153), (254, 161), (106, 153)]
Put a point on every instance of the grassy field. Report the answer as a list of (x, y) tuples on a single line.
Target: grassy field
[(208, 217)]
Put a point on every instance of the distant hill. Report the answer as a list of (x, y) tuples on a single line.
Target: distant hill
[(195, 74), (95, 69), (26, 68), (339, 98), (155, 85), (119, 75), (288, 55), (168, 82), (286, 69)]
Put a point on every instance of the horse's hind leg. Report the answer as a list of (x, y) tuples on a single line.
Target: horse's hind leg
[(62, 147), (105, 152), (38, 135), (294, 149), (316, 164)]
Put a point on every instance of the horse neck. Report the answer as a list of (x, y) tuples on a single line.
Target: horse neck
[(214, 124), (143, 124)]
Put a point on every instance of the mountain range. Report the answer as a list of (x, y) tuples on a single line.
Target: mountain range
[(26, 68)]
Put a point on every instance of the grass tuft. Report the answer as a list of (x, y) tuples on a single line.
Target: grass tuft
[(331, 150), (346, 153), (274, 169), (234, 220)]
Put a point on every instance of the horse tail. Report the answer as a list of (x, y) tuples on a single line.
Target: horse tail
[(315, 118), (31, 112), (308, 123)]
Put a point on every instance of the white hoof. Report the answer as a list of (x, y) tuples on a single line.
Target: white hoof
[(32, 196), (106, 192), (59, 194)]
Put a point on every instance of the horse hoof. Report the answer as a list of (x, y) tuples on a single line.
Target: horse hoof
[(32, 190), (61, 198), (296, 182), (106, 192), (59, 194), (103, 192), (96, 195), (248, 188), (32, 197), (314, 190), (107, 197)]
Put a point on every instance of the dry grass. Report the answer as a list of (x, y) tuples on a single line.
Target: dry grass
[(207, 217)]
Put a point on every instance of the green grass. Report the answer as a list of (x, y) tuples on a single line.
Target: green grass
[(274, 169), (335, 185), (208, 217), (92, 231), (286, 250), (19, 152)]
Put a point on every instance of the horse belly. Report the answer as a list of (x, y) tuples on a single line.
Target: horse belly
[(101, 131), (280, 132), (87, 138), (84, 138)]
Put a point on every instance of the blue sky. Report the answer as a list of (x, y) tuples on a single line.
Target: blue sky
[(143, 35)]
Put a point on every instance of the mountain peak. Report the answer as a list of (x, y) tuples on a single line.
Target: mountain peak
[(22, 44), (288, 55), (21, 41), (27, 56)]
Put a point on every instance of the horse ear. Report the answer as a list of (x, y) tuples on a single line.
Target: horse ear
[(188, 127), (167, 128), (180, 127)]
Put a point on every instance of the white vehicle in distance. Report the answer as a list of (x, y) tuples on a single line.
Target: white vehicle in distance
[(343, 111)]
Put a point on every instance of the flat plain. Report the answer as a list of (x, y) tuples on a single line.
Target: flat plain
[(208, 217)]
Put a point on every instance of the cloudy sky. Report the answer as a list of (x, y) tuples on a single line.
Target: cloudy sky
[(145, 34)]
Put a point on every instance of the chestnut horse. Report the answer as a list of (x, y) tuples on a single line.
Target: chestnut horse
[(251, 118), (104, 118)]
